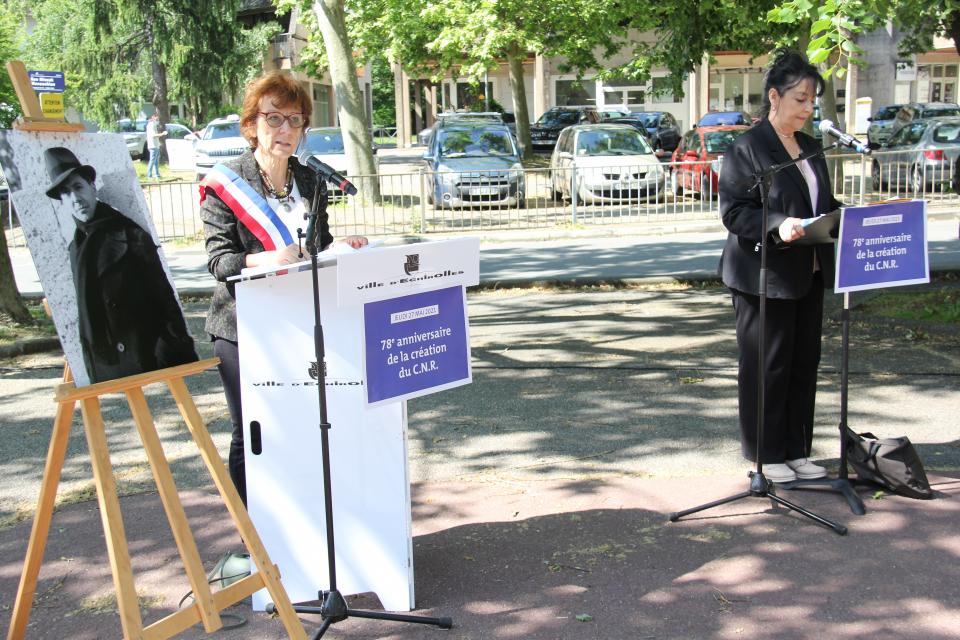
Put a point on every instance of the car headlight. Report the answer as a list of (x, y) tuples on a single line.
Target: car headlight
[(446, 176)]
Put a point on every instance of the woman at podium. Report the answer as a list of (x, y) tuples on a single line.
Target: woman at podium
[(796, 274), (251, 209)]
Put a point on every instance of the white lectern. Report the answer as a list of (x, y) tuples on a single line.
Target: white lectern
[(368, 454)]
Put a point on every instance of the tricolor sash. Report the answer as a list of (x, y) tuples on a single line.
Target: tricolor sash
[(251, 208)]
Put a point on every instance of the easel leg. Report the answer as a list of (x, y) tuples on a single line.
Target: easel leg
[(41, 520), (176, 516), (128, 605), (221, 478)]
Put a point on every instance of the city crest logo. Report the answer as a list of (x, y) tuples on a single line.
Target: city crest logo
[(412, 264)]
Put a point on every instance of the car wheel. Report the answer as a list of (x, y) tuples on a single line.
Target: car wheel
[(916, 179), (877, 183)]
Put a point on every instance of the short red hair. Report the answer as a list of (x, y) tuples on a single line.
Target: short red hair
[(285, 92)]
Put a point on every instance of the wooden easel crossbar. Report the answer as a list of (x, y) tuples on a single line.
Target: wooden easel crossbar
[(207, 604)]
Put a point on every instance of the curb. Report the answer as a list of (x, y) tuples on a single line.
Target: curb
[(29, 346)]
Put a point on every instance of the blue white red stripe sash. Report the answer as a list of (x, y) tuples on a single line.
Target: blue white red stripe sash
[(251, 208)]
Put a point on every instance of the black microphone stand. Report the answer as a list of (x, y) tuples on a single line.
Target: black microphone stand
[(760, 487), (333, 607)]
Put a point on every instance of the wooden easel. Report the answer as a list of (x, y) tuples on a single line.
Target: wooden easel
[(207, 605)]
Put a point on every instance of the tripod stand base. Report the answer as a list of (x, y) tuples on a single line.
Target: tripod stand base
[(760, 487), (840, 485), (334, 609)]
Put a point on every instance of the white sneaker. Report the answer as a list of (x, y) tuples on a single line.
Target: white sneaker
[(806, 470), (779, 473)]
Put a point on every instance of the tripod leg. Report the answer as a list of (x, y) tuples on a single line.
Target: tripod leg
[(443, 623), (323, 628), (680, 514), (837, 528), (842, 485)]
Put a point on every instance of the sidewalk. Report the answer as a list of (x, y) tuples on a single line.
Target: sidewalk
[(675, 250)]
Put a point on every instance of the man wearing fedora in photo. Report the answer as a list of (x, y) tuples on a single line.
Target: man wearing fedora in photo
[(129, 318)]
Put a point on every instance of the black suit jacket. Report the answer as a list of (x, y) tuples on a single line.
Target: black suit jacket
[(228, 241), (789, 266)]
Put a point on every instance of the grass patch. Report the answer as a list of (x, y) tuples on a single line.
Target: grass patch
[(937, 302), (42, 326)]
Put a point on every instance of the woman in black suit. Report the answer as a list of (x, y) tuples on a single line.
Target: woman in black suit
[(796, 274)]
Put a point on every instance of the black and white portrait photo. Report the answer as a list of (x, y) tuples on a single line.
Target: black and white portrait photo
[(102, 270)]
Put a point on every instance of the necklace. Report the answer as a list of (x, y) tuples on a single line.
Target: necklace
[(279, 194), (785, 137)]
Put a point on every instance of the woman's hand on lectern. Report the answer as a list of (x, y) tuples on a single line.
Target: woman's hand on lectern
[(357, 242)]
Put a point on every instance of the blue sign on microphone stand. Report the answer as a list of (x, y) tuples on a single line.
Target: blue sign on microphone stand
[(882, 245)]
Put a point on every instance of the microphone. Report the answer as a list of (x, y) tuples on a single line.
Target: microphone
[(844, 138), (307, 159)]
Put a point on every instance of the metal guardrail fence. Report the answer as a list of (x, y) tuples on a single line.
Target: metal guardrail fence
[(409, 203)]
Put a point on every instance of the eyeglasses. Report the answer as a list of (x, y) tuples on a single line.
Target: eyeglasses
[(275, 119)]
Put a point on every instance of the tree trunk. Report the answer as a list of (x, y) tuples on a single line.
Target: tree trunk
[(520, 112), (953, 28), (11, 303), (343, 72), (159, 73)]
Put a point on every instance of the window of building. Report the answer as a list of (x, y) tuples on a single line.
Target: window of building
[(321, 106), (662, 92), (472, 97), (576, 92)]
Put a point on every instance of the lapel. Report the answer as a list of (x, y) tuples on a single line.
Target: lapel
[(778, 154)]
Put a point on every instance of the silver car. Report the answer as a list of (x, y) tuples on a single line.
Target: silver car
[(919, 157), (881, 124), (219, 141)]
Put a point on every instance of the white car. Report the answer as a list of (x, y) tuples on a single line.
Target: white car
[(219, 141), (605, 163)]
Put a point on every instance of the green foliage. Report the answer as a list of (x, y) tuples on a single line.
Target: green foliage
[(9, 50), (117, 53)]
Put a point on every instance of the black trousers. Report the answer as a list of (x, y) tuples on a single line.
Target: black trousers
[(793, 335), (229, 368)]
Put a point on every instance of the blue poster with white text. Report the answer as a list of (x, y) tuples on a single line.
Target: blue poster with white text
[(416, 344), (883, 245)]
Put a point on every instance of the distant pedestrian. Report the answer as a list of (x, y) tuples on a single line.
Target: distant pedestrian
[(129, 319), (153, 146)]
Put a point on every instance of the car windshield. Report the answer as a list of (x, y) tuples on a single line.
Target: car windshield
[(723, 118), (720, 141), (558, 118), (608, 142), (225, 130), (649, 120), (458, 143), (324, 142), (887, 113), (127, 126), (947, 133), (941, 112)]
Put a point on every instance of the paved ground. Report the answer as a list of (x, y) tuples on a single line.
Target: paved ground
[(541, 491)]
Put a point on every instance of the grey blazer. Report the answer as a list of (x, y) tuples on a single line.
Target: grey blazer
[(228, 241), (789, 267)]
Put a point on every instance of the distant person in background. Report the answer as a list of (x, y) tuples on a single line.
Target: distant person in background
[(129, 318), (796, 274), (153, 146)]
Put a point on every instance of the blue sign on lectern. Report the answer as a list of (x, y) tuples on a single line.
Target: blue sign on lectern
[(882, 245), (416, 344)]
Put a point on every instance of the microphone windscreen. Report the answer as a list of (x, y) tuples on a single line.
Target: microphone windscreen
[(825, 126)]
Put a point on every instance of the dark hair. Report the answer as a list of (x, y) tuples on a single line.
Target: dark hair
[(285, 91), (787, 70)]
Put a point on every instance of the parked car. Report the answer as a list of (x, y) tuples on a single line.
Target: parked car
[(545, 131), (473, 161), (920, 110), (881, 124), (135, 135), (220, 141), (423, 137), (696, 160), (919, 156), (609, 113), (660, 127), (722, 118), (605, 163), (326, 144)]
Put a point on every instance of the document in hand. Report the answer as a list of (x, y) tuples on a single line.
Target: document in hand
[(821, 229)]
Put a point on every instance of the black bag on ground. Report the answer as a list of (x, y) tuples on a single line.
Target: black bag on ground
[(892, 463)]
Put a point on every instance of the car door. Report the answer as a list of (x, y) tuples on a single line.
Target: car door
[(691, 156), (561, 161), (888, 156), (670, 132)]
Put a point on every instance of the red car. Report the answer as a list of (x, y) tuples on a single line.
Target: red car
[(695, 164)]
